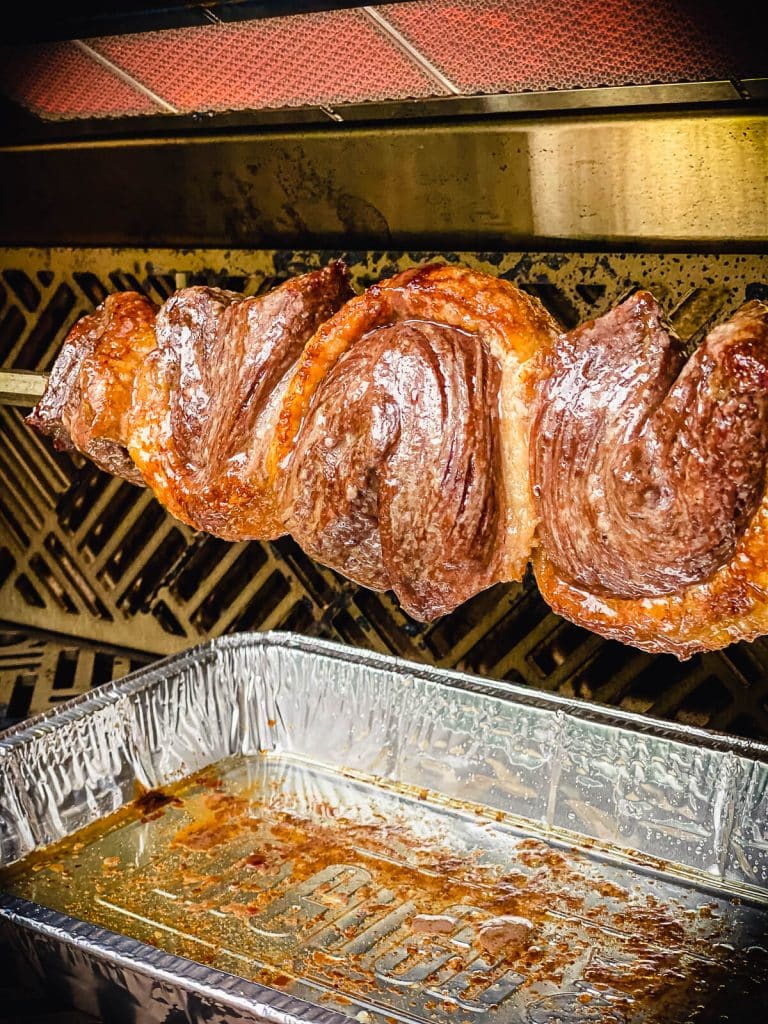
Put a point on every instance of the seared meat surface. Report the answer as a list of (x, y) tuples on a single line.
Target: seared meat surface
[(89, 391), (206, 400), (396, 476), (438, 433), (648, 468), (404, 437), (649, 476)]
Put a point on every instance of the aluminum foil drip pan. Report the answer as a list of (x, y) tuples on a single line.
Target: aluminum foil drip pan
[(324, 834)]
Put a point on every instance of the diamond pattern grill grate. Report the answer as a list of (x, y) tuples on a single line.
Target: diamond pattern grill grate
[(99, 563)]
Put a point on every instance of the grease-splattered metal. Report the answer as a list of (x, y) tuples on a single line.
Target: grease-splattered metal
[(372, 791), (666, 180)]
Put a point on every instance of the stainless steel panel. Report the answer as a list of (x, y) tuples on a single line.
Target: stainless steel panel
[(654, 180)]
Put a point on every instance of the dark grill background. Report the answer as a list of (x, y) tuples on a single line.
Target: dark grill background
[(96, 579)]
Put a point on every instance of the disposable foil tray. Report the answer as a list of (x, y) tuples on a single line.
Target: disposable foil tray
[(282, 829)]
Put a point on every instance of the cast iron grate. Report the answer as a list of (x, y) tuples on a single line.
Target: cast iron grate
[(38, 671), (96, 560)]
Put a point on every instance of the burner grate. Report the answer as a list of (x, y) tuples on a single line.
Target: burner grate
[(38, 671), (101, 564)]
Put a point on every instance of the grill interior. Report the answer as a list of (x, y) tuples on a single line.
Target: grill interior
[(454, 124), (119, 582)]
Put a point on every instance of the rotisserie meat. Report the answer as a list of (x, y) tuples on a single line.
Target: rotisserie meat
[(89, 391), (437, 433), (206, 399), (404, 437), (649, 476)]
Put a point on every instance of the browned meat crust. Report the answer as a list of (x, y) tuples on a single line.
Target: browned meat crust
[(206, 400), (650, 480), (89, 391), (404, 437), (417, 436)]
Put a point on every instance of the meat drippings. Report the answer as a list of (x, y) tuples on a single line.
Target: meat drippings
[(395, 480), (433, 924), (648, 468), (504, 936)]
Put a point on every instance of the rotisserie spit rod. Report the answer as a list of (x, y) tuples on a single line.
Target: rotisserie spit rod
[(21, 387)]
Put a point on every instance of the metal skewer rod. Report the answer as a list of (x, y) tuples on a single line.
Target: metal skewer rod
[(21, 387)]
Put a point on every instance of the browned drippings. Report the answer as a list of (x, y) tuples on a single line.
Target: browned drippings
[(150, 802), (360, 903), (221, 822), (504, 936), (433, 924)]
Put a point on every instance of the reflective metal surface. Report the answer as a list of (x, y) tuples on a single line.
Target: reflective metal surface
[(660, 181), (38, 671), (668, 818), (21, 387), (23, 128)]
